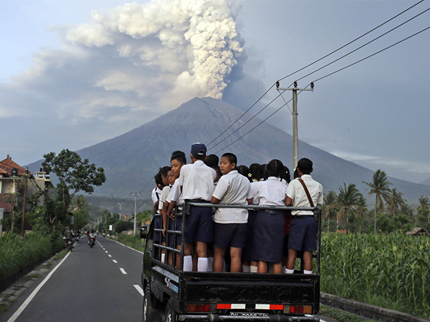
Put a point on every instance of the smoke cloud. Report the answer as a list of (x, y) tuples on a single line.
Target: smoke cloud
[(184, 48)]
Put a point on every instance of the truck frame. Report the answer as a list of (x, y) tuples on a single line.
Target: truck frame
[(223, 296)]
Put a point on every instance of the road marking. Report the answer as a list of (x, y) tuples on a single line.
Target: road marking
[(128, 247), (110, 255), (138, 288), (106, 251), (115, 261), (33, 294), (123, 271)]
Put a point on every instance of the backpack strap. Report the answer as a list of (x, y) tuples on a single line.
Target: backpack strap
[(307, 192)]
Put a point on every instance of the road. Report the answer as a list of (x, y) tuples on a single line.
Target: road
[(92, 284)]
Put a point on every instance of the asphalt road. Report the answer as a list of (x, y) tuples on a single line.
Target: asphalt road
[(92, 284)]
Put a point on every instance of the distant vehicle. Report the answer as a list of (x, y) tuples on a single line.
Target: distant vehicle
[(69, 243), (224, 296), (92, 240)]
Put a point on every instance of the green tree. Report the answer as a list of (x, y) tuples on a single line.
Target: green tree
[(395, 202), (75, 175), (79, 203), (348, 200), (380, 187), (329, 207)]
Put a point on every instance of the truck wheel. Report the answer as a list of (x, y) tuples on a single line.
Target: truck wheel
[(171, 315), (148, 310)]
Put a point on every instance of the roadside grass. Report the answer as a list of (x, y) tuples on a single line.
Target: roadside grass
[(132, 241), (341, 316), (61, 254), (3, 308)]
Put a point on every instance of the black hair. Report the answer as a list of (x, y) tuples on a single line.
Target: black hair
[(262, 172), (254, 169), (158, 179), (231, 157), (275, 168), (199, 157), (244, 170), (164, 170), (305, 165), (212, 160), (218, 171), (180, 156), (286, 174), (296, 174)]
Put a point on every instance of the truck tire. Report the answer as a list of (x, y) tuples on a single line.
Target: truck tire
[(148, 309), (171, 315)]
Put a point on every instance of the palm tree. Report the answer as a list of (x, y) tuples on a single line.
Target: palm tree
[(348, 200), (424, 204), (79, 203), (329, 207), (379, 186), (395, 202)]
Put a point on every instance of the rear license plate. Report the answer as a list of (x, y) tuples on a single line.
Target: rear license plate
[(248, 314)]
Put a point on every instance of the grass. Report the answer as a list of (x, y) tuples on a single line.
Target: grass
[(132, 241), (3, 308), (61, 254), (341, 316)]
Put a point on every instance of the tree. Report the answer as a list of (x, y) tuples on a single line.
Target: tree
[(75, 175), (79, 203), (395, 202), (348, 201), (330, 207), (380, 187)]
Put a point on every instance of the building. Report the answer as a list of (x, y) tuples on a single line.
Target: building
[(13, 185)]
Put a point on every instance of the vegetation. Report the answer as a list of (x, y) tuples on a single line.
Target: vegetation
[(391, 271)]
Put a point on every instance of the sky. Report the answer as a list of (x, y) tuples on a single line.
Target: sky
[(75, 73)]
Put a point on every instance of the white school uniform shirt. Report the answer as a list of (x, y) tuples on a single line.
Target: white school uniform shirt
[(297, 193), (163, 197), (271, 192), (197, 181), (232, 188), (156, 191), (176, 194)]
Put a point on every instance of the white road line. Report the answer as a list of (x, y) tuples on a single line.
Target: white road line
[(110, 255), (138, 288), (123, 271), (128, 247), (115, 261), (106, 251), (321, 320), (33, 294)]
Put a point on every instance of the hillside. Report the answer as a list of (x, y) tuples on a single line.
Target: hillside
[(132, 159)]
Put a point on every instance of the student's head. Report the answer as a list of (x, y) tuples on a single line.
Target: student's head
[(244, 170), (254, 169), (198, 151), (304, 166), (212, 160), (286, 174), (171, 177), (159, 180), (228, 163), (164, 171), (262, 172), (177, 161), (275, 168)]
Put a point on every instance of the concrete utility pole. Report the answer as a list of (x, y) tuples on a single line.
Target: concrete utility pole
[(295, 121), (119, 203), (135, 214), (24, 204)]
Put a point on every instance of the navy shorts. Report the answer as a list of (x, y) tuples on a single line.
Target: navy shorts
[(199, 225), (247, 252), (158, 225), (175, 225), (229, 235), (303, 234)]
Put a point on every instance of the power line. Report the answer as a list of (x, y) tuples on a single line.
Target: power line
[(359, 61), (329, 54)]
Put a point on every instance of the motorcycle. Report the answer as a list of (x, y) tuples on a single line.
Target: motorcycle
[(68, 242), (92, 240)]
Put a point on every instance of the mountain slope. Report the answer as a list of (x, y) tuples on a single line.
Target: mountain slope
[(132, 159)]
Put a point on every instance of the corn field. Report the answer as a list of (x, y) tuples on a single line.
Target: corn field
[(19, 255), (392, 271)]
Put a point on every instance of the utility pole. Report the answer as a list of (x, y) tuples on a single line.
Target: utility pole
[(135, 214), (119, 203), (24, 203), (295, 120)]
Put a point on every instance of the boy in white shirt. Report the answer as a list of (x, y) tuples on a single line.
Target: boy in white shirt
[(230, 223)]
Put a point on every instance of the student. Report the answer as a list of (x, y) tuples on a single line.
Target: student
[(303, 228), (174, 199), (269, 225), (156, 193), (230, 223), (159, 219), (197, 181)]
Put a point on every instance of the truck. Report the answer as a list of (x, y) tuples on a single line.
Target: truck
[(171, 294)]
